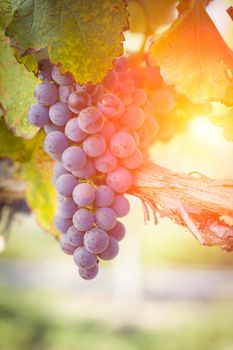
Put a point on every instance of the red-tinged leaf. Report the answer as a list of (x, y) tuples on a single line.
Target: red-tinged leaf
[(194, 57)]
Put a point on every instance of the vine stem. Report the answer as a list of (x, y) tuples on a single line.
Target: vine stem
[(202, 205)]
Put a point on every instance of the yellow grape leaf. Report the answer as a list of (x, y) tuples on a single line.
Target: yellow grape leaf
[(194, 57)]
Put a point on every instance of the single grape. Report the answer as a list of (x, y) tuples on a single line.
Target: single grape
[(122, 144), (120, 206), (73, 131), (83, 219), (91, 120), (87, 171), (133, 133), (106, 163), (163, 101), (83, 258), (111, 106), (127, 99), (75, 237), (66, 247), (126, 86), (61, 79), (66, 207), (84, 194), (133, 117), (59, 113), (58, 170), (152, 125), (46, 93), (121, 64), (55, 143), (111, 80), (105, 218), (94, 145), (118, 231), (78, 100), (111, 251), (120, 180), (64, 92), (139, 97), (144, 135), (134, 161), (74, 158), (38, 115), (62, 224), (104, 196), (89, 274), (50, 127), (45, 70), (108, 130), (96, 240), (65, 184)]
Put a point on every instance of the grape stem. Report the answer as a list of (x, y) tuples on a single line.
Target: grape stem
[(202, 205)]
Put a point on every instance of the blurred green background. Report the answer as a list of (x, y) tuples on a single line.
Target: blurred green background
[(163, 292)]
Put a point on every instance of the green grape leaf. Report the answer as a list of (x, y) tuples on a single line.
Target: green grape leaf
[(194, 57), (29, 61), (7, 8), (34, 167), (148, 16), (85, 36), (16, 91)]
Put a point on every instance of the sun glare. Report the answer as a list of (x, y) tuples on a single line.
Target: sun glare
[(203, 128)]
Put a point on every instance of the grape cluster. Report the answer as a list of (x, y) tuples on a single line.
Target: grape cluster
[(97, 134)]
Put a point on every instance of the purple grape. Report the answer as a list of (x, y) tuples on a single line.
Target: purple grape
[(127, 99), (152, 124), (105, 218), (120, 180), (38, 115), (121, 206), (108, 130), (87, 171), (118, 231), (84, 194), (59, 113), (83, 220), (64, 92), (121, 64), (111, 106), (133, 117), (62, 224), (106, 163), (61, 79), (73, 131), (139, 97), (84, 259), (66, 207), (111, 80), (55, 143), (104, 196), (78, 100), (133, 133), (73, 158), (94, 145), (89, 274), (65, 184), (46, 93), (45, 70), (91, 120), (66, 246), (96, 240), (50, 127), (126, 86), (58, 170), (75, 237), (111, 251), (134, 161), (122, 144)]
